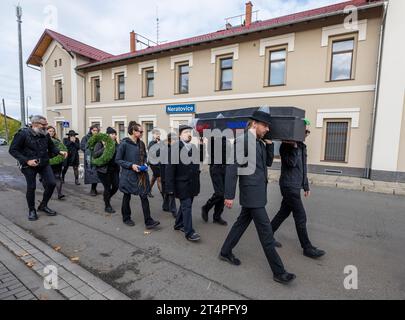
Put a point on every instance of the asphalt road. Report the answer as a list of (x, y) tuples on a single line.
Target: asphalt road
[(355, 228)]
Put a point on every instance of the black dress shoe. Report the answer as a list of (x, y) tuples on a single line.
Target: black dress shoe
[(277, 244), (152, 224), (284, 278), (49, 212), (179, 229), (61, 196), (129, 223), (32, 215), (313, 253), (93, 192), (204, 213), (194, 237), (230, 258), (150, 195), (221, 221), (110, 210), (77, 182)]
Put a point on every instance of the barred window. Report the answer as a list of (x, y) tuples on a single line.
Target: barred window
[(336, 141)]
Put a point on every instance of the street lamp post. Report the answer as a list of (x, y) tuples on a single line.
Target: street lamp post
[(22, 94), (27, 114)]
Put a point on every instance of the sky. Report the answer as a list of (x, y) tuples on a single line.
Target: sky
[(106, 25)]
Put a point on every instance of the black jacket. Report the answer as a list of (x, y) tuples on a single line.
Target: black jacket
[(128, 154), (294, 166), (182, 179), (27, 145), (73, 152), (111, 166), (252, 187)]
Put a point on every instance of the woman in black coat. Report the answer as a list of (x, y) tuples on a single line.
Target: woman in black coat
[(72, 143), (131, 156), (108, 173), (90, 172)]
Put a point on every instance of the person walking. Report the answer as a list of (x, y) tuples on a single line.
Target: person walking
[(156, 178), (90, 172), (108, 173), (217, 173), (57, 167), (32, 147), (182, 180), (292, 180), (169, 200), (253, 196), (134, 180), (72, 143)]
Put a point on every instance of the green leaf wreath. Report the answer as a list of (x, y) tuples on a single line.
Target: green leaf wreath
[(109, 149), (59, 158)]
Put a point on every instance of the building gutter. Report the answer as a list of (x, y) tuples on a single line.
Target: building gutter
[(241, 33), (370, 146)]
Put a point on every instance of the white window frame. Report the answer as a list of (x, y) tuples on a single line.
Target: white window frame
[(95, 74), (96, 119), (117, 70)]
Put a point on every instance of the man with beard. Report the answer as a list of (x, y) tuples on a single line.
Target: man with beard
[(32, 147)]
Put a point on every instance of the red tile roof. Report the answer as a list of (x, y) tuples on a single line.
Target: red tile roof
[(267, 24), (101, 57), (70, 45)]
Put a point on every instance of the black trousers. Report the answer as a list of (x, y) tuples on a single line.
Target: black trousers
[(217, 173), (185, 216), (57, 171), (75, 171), (110, 181), (263, 227), (169, 203), (292, 203), (126, 208), (48, 181)]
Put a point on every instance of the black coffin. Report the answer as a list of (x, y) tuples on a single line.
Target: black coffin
[(287, 123)]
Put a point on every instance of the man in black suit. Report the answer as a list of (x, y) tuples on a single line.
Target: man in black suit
[(253, 182), (182, 178), (294, 178)]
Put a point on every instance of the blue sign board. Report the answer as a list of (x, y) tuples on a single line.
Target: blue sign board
[(181, 108), (66, 124)]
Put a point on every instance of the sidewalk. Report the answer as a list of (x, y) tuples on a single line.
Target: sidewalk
[(349, 183), (74, 282)]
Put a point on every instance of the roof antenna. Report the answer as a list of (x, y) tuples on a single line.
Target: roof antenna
[(157, 25)]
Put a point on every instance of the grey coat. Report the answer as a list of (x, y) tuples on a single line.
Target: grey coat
[(90, 171), (253, 188), (128, 154)]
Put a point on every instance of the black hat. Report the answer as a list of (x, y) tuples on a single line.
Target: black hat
[(111, 130), (261, 116), (72, 133), (183, 127)]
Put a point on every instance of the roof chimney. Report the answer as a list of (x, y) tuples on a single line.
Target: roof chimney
[(133, 41), (248, 19)]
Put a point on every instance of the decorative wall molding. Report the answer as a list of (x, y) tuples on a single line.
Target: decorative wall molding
[(234, 49), (123, 69), (288, 39), (343, 113), (338, 29), (180, 58), (147, 64)]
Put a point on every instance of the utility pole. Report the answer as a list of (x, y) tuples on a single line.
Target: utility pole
[(22, 94), (5, 120), (27, 114)]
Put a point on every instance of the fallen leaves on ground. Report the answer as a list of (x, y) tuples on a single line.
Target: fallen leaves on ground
[(30, 264), (57, 248), (75, 259)]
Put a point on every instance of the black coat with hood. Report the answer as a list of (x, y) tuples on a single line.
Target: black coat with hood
[(90, 171)]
